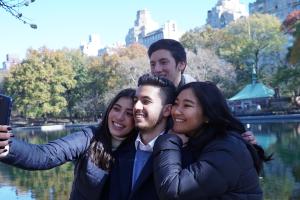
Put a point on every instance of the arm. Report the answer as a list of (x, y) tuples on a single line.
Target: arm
[(46, 156), (210, 175)]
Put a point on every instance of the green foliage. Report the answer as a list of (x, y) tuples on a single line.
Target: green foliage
[(254, 41), (287, 77), (206, 37), (257, 41), (74, 95), (37, 84)]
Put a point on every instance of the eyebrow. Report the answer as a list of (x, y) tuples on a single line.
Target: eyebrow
[(188, 101), (118, 105), (144, 98), (162, 59)]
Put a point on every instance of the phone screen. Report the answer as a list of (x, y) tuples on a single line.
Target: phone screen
[(5, 109)]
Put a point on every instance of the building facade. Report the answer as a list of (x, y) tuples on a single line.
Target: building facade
[(91, 47), (146, 31), (279, 8), (225, 12), (11, 60)]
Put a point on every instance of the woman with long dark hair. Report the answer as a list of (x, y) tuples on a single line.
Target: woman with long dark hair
[(92, 149), (216, 162)]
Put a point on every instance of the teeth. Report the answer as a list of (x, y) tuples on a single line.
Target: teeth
[(118, 125), (139, 115), (178, 120)]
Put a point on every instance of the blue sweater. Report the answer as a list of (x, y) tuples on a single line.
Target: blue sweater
[(141, 157)]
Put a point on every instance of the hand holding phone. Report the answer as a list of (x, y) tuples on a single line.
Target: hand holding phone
[(5, 109)]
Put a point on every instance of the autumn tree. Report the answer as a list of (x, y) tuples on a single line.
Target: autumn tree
[(291, 25), (134, 62), (205, 65)]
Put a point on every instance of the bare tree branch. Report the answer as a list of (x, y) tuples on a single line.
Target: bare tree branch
[(13, 6)]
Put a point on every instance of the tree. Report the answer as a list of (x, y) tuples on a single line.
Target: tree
[(204, 37), (256, 40), (205, 65), (37, 84), (13, 7), (291, 25), (133, 63), (287, 78), (75, 95)]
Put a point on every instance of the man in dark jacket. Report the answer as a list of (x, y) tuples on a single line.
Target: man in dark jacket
[(132, 175)]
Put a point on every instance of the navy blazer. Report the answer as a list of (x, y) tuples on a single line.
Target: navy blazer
[(121, 177)]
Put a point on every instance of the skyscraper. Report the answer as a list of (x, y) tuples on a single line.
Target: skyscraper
[(225, 12), (279, 8)]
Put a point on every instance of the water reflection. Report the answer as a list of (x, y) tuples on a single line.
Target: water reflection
[(48, 184), (281, 177)]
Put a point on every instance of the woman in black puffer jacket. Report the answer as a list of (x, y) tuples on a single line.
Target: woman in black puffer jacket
[(220, 164)]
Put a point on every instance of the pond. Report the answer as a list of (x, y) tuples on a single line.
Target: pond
[(280, 180)]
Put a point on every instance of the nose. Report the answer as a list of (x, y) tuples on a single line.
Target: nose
[(176, 110), (120, 116), (138, 105)]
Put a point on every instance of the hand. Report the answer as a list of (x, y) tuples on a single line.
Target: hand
[(183, 137), (249, 137), (4, 143)]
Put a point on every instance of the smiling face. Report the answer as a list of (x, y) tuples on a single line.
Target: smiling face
[(148, 107), (120, 118), (187, 113), (163, 64)]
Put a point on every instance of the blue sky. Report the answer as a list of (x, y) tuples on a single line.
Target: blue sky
[(65, 23)]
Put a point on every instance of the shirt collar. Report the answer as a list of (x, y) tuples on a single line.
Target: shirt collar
[(146, 147)]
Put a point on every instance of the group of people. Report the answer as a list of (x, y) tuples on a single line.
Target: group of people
[(170, 138)]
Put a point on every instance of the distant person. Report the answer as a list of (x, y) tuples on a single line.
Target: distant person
[(92, 149), (223, 165), (168, 59)]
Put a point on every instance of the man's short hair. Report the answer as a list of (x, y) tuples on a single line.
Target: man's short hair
[(166, 86), (174, 47)]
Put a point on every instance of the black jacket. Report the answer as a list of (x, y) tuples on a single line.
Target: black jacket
[(223, 169)]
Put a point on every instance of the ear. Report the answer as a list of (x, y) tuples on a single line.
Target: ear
[(167, 110), (181, 66)]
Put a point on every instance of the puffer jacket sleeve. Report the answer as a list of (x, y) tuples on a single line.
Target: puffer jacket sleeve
[(46, 156), (214, 171)]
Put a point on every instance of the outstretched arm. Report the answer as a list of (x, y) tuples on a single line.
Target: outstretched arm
[(46, 156)]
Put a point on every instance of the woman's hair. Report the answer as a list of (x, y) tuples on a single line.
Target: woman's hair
[(100, 149), (220, 119)]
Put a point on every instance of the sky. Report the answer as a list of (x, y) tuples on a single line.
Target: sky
[(66, 23)]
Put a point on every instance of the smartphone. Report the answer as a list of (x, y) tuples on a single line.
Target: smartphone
[(5, 109)]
